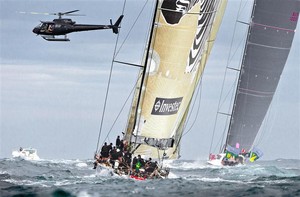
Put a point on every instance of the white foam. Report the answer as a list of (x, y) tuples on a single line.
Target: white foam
[(83, 194), (65, 161), (188, 165), (3, 172), (103, 172), (27, 182), (214, 180), (172, 176), (62, 183), (81, 165)]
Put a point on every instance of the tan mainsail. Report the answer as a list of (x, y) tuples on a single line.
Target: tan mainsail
[(183, 36)]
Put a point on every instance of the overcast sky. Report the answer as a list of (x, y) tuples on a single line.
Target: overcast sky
[(52, 93)]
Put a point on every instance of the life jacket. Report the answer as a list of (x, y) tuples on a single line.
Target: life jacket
[(138, 165)]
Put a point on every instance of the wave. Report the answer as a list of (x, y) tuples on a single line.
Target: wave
[(277, 178), (55, 176)]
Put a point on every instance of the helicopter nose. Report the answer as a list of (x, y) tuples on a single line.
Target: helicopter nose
[(35, 30)]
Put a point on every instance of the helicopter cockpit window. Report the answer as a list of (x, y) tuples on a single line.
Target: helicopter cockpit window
[(39, 25), (43, 26), (50, 27)]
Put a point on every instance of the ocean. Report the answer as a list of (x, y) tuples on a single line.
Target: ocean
[(187, 178)]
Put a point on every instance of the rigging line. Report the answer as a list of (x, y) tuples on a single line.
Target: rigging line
[(133, 25), (144, 78), (108, 83), (240, 12), (236, 78), (129, 64), (242, 60), (230, 107), (228, 117), (238, 70), (121, 109), (230, 68), (128, 126), (147, 35), (194, 101), (266, 130), (201, 75), (219, 142), (198, 90), (223, 84), (236, 50), (197, 113), (158, 155), (227, 95)]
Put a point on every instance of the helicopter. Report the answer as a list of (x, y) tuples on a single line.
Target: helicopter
[(49, 30)]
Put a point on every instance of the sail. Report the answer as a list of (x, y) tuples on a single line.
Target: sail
[(270, 36), (182, 37)]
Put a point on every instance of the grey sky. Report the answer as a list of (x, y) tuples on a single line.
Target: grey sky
[(52, 93)]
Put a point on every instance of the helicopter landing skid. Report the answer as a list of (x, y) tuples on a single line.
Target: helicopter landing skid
[(53, 38)]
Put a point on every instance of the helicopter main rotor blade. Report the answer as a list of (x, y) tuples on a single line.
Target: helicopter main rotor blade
[(59, 14), (67, 13), (75, 14), (43, 13), (70, 12)]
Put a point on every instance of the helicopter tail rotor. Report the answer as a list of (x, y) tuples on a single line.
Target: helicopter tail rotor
[(116, 26)]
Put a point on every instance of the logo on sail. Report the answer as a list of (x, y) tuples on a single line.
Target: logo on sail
[(166, 106), (294, 17), (174, 10), (205, 19)]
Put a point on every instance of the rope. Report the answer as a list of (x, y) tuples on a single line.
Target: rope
[(223, 84), (121, 110), (144, 71), (116, 52), (199, 75), (183, 128), (266, 130), (134, 23), (108, 83), (197, 113)]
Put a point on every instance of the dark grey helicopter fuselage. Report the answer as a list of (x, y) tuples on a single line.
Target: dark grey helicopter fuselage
[(58, 28), (64, 26)]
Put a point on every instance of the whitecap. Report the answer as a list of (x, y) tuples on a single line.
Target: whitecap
[(62, 183), (172, 176), (104, 172), (83, 194), (81, 165), (187, 165)]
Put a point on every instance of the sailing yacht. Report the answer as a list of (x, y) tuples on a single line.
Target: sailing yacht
[(181, 38), (269, 40)]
